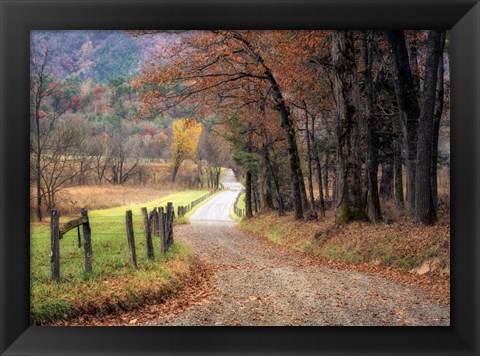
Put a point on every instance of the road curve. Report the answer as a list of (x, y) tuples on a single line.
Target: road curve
[(216, 211), (256, 283)]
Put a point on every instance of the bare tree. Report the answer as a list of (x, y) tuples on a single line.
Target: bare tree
[(213, 154), (63, 162), (122, 156), (48, 102)]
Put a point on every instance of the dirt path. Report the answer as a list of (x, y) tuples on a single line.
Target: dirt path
[(257, 284)]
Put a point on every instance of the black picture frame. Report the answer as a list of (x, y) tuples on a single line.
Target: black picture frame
[(18, 17)]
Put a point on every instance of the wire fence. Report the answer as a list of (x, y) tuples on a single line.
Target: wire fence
[(93, 244), (116, 238)]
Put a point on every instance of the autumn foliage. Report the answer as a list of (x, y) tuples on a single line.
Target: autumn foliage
[(185, 136)]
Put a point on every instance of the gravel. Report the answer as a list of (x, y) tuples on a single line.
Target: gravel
[(256, 283)]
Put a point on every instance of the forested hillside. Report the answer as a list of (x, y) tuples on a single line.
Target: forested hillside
[(97, 55)]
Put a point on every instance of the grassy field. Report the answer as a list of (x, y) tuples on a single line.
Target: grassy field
[(112, 285)]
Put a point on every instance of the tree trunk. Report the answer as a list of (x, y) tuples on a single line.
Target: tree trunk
[(248, 195), (414, 62), (325, 174), (296, 175), (39, 188), (424, 209), (175, 172), (266, 179), (316, 157), (407, 105), (303, 190), (335, 182), (38, 161), (309, 161), (273, 170), (373, 201), (397, 163), (349, 205), (256, 204), (386, 182), (436, 123)]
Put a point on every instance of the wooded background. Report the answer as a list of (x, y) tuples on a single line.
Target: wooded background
[(311, 121)]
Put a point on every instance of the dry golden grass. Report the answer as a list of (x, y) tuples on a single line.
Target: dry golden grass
[(158, 183), (71, 200)]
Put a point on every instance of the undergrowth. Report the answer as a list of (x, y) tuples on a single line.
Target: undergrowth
[(404, 244)]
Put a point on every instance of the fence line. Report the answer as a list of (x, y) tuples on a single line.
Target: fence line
[(183, 210), (159, 223)]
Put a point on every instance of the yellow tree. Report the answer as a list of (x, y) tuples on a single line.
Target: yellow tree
[(186, 134)]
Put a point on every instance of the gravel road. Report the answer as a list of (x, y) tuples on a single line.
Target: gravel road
[(255, 283), (217, 210)]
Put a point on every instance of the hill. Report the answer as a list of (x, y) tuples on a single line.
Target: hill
[(99, 55)]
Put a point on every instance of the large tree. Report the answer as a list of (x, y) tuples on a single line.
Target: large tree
[(424, 206), (349, 201), (373, 201), (407, 100)]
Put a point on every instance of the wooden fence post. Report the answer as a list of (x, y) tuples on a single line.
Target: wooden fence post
[(87, 242), (55, 244), (161, 229), (148, 234), (169, 225), (156, 229), (131, 239), (145, 219)]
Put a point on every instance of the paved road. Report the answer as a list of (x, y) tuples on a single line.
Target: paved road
[(217, 210), (257, 283)]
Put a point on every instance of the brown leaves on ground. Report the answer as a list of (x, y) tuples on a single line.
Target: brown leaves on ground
[(391, 250), (193, 291)]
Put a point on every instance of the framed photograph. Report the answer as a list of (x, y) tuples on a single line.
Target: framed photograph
[(342, 137)]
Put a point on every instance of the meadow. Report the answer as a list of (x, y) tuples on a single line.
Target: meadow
[(113, 285)]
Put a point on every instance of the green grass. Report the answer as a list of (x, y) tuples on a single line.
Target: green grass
[(178, 199), (112, 284), (241, 201), (240, 205)]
